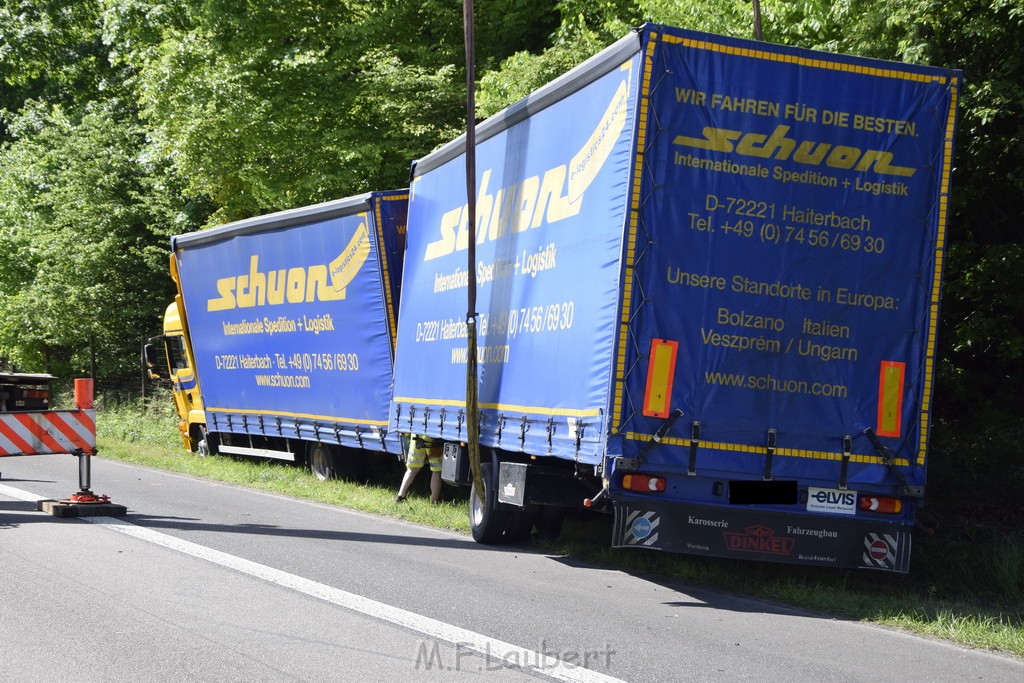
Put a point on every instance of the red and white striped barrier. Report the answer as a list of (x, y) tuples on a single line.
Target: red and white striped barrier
[(52, 431)]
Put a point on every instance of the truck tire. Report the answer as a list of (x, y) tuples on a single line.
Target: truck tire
[(486, 520), (205, 443), (320, 459)]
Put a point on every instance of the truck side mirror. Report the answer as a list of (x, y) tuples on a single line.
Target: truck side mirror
[(152, 362)]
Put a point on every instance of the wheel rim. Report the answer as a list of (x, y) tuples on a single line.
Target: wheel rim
[(318, 463), (476, 509)]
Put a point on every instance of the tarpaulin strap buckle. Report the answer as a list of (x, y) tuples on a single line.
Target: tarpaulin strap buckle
[(524, 426), (316, 431), (551, 434), (359, 435), (694, 442), (261, 424), (229, 422), (245, 423), (412, 411), (426, 416), (459, 419), (214, 416), (501, 426), (398, 414), (889, 458), (637, 460), (770, 454), (280, 432), (295, 423), (441, 425), (847, 449), (578, 435)]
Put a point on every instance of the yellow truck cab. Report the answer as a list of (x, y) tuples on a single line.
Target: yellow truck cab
[(180, 370)]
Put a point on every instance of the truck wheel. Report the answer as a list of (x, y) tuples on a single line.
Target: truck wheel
[(321, 461), (486, 520), (205, 443)]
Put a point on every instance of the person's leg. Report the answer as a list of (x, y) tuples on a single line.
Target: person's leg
[(435, 486), (410, 476)]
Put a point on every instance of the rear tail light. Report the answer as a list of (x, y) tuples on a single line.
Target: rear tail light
[(886, 504), (643, 483)]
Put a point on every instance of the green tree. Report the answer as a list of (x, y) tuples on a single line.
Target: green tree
[(86, 221), (51, 51), (585, 29), (268, 105)]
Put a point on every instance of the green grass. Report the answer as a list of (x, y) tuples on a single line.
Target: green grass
[(965, 589)]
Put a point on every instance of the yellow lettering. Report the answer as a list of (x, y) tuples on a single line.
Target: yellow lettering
[(715, 139), (779, 145), (446, 244), (296, 287), (226, 289)]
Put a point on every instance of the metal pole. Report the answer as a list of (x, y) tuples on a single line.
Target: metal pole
[(757, 20), (472, 407), (142, 367)]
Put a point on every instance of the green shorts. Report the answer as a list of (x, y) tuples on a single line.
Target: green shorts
[(423, 448)]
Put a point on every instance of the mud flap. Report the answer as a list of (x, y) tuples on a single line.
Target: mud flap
[(761, 535)]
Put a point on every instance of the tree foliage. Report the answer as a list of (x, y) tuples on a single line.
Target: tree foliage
[(83, 249), (267, 105)]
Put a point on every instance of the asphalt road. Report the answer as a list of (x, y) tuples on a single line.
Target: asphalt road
[(204, 581)]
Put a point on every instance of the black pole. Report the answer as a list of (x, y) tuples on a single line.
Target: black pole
[(142, 367), (757, 20), (472, 408)]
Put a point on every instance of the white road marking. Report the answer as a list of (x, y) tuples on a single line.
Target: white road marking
[(540, 662)]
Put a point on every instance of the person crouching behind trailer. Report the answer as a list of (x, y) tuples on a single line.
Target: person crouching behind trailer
[(422, 448)]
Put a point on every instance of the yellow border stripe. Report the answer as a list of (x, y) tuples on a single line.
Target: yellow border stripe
[(760, 450), (383, 257), (803, 61), (505, 407), (634, 217), (940, 250), (278, 413)]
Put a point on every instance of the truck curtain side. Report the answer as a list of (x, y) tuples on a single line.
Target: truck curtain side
[(709, 272), (289, 320)]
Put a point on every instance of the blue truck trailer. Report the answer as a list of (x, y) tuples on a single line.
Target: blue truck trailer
[(709, 272), (280, 342)]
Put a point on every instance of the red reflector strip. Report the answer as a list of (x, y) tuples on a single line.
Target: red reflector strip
[(45, 442), (13, 443), (660, 372), (44, 432), (890, 398)]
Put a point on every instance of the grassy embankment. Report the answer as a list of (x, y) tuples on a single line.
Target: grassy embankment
[(965, 587)]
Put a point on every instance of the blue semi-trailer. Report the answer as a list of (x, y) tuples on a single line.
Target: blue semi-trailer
[(708, 291), (281, 339)]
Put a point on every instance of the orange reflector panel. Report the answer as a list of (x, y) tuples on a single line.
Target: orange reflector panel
[(660, 371), (890, 398), (881, 504)]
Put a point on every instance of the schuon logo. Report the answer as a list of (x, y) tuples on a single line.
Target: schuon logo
[(759, 539)]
